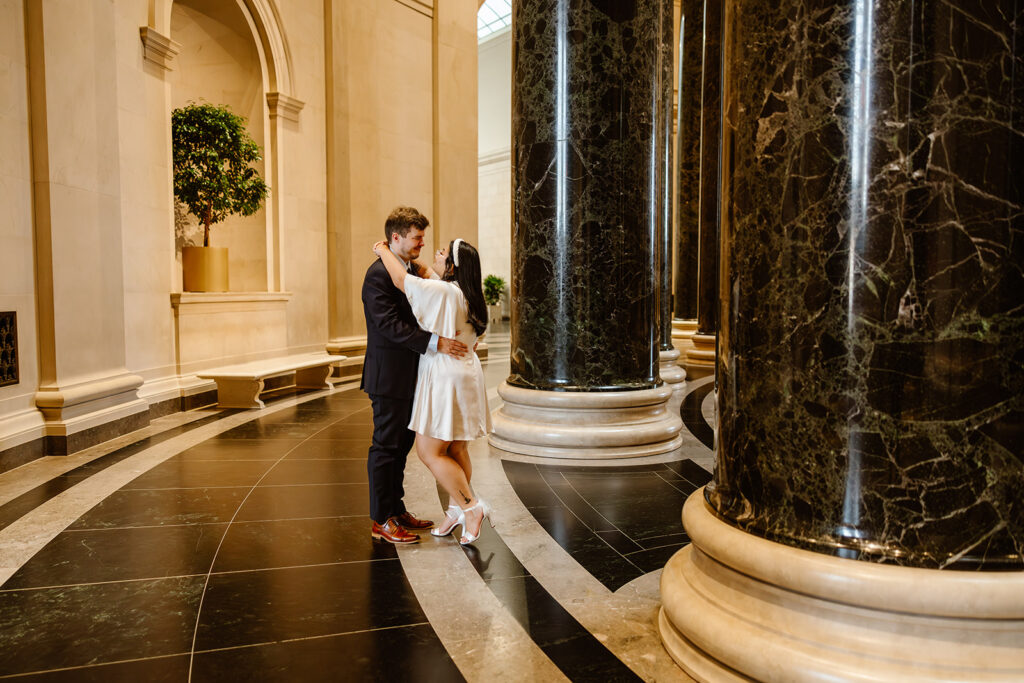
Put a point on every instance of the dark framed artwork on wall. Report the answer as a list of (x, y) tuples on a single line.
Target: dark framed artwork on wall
[(8, 348)]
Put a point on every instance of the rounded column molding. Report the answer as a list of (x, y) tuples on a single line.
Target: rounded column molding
[(585, 424), (671, 373), (737, 607)]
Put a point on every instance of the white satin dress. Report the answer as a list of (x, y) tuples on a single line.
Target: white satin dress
[(450, 402)]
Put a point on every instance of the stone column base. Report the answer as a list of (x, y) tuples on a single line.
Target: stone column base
[(736, 607), (682, 335), (585, 424), (700, 360), (668, 368)]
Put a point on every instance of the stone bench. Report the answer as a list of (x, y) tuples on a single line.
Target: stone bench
[(239, 386)]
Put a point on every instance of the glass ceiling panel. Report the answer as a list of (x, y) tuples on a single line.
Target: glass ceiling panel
[(493, 16)]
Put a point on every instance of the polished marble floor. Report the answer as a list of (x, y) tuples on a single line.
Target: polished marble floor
[(234, 545)]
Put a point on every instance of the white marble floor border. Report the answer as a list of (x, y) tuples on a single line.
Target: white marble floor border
[(469, 619)]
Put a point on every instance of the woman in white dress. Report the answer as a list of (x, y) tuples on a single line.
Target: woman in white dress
[(450, 405)]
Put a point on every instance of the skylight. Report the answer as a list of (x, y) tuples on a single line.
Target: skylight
[(493, 16)]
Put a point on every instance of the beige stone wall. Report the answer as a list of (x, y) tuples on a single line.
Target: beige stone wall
[(302, 194), (19, 420), (380, 138), (496, 219), (91, 260), (455, 121), (494, 163)]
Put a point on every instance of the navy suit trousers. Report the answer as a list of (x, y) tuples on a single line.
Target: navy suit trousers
[(385, 463)]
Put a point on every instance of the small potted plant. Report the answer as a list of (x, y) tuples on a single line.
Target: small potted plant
[(214, 179), (494, 289)]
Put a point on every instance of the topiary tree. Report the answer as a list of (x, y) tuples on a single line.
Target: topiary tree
[(212, 172), (494, 287)]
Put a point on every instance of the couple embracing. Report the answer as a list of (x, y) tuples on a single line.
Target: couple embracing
[(423, 376)]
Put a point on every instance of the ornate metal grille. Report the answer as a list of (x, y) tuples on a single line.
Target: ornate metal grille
[(8, 348)]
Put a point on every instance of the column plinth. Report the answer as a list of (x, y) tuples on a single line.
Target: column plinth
[(700, 357), (586, 424), (737, 607)]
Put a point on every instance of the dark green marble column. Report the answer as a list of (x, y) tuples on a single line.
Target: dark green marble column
[(871, 368), (687, 160), (666, 81), (701, 358), (586, 194)]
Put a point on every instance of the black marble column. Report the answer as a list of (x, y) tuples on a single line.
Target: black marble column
[(585, 194), (687, 160), (708, 180), (871, 368), (666, 82)]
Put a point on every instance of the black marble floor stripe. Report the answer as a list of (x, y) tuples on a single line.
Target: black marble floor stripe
[(571, 647), (693, 416), (240, 599), (618, 523), (17, 508)]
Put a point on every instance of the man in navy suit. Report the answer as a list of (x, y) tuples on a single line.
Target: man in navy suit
[(394, 342)]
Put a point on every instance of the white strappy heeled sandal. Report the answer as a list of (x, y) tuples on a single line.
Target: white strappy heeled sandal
[(468, 538), (452, 519)]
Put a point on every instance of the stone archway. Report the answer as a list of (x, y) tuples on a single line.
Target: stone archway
[(280, 107)]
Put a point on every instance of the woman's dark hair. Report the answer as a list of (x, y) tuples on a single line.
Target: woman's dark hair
[(467, 276)]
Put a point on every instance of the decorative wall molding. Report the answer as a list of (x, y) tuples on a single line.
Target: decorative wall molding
[(158, 48), (502, 156), (424, 8), (284, 106)]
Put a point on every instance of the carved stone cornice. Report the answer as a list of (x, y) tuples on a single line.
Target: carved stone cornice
[(158, 48), (285, 106)]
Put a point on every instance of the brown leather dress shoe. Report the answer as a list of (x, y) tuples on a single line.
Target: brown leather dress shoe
[(392, 532), (411, 523)]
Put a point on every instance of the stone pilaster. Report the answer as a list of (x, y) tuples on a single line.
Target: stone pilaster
[(86, 394), (871, 389), (585, 229)]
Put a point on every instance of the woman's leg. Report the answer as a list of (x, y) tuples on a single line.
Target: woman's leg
[(448, 472), (459, 452)]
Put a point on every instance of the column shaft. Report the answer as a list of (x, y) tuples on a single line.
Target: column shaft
[(687, 160), (710, 157), (700, 359), (588, 145), (666, 79), (871, 382), (870, 378), (585, 203)]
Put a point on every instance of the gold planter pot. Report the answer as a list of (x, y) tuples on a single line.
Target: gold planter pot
[(204, 269)]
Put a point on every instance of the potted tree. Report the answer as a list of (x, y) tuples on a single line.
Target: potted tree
[(494, 289), (214, 179)]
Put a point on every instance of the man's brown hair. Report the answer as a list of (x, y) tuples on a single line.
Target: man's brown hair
[(402, 219)]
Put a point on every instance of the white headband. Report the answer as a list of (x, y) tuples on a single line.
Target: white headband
[(455, 250)]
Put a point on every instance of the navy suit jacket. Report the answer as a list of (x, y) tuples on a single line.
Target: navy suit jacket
[(394, 340)]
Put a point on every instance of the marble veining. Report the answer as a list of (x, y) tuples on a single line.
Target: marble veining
[(585, 194), (687, 164), (708, 182), (872, 347), (664, 112)]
